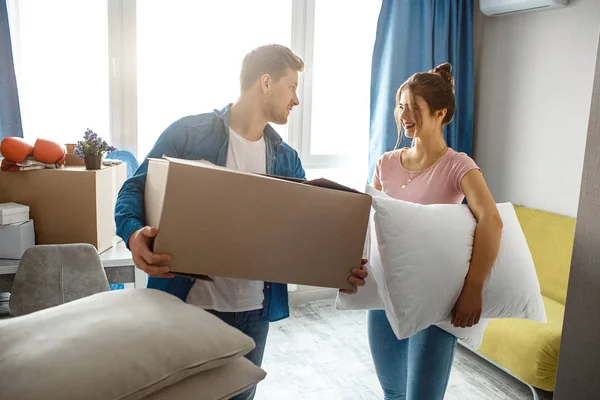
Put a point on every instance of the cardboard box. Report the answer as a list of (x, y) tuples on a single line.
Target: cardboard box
[(218, 222), (71, 160), (15, 239), (13, 213), (68, 205), (70, 147)]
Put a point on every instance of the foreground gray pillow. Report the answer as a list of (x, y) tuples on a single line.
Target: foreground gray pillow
[(216, 384), (124, 344)]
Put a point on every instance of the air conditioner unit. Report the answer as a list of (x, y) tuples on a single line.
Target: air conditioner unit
[(503, 7)]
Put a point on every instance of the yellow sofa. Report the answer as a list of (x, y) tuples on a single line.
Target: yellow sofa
[(529, 350)]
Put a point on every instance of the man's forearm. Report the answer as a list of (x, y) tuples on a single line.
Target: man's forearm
[(129, 209)]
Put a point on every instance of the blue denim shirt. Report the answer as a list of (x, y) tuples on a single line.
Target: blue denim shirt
[(204, 137)]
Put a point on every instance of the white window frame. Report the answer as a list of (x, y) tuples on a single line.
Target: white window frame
[(303, 36), (123, 81), (122, 62)]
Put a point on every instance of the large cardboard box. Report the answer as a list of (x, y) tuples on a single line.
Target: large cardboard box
[(71, 160), (68, 205), (218, 222)]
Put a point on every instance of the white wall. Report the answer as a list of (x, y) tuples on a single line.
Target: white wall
[(534, 75)]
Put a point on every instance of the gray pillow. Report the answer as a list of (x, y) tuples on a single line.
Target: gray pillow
[(124, 344), (216, 384)]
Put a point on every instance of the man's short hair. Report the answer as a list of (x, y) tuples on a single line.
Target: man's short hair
[(272, 59)]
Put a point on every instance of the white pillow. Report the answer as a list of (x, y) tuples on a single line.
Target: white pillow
[(471, 337), (367, 298), (425, 252), (123, 344)]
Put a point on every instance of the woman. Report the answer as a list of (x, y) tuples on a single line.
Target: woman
[(431, 173)]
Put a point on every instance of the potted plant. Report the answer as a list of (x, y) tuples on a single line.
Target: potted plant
[(91, 149)]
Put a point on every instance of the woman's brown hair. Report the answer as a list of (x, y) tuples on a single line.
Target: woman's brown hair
[(436, 87)]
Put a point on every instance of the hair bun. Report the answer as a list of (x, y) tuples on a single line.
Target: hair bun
[(445, 71)]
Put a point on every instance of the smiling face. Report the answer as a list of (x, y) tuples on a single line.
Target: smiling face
[(270, 75), (425, 103), (414, 115), (280, 96)]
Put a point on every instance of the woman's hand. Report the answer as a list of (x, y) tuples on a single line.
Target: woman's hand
[(357, 278), (467, 310)]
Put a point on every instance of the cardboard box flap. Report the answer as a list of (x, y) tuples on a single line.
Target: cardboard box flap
[(284, 178), (326, 183), (156, 187), (196, 163), (195, 276), (321, 182)]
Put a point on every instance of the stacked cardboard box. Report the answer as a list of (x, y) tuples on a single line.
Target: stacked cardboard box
[(68, 205), (16, 230)]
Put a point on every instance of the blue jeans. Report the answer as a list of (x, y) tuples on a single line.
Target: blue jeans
[(417, 368), (252, 324)]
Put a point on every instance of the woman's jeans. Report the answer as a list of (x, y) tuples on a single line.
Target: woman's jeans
[(417, 368)]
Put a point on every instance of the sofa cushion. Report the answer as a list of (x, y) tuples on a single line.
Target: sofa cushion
[(550, 239), (527, 348), (123, 344), (215, 384)]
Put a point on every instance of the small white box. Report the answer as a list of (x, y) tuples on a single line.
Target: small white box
[(15, 239), (12, 213)]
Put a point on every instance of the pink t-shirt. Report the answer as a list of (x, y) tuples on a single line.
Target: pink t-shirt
[(438, 184)]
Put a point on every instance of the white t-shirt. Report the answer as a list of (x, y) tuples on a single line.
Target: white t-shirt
[(228, 294)]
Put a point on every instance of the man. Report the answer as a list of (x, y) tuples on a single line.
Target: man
[(238, 137)]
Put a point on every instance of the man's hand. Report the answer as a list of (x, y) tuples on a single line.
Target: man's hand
[(357, 278), (143, 258), (467, 310)]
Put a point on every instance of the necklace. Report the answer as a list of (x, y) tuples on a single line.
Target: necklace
[(407, 173)]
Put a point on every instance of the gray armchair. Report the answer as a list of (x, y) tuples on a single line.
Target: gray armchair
[(51, 275)]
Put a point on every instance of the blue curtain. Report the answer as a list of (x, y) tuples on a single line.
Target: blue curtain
[(10, 113), (415, 36)]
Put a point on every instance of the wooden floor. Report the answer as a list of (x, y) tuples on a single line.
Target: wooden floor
[(320, 353)]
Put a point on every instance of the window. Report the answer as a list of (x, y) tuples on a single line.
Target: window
[(190, 54), (341, 80), (129, 68), (336, 132), (60, 49)]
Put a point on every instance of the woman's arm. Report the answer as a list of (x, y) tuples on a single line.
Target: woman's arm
[(376, 182), (485, 248), (489, 226)]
